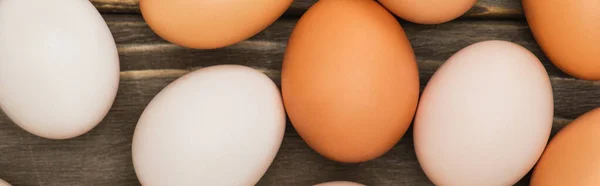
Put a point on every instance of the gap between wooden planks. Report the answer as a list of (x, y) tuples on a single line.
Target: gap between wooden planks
[(141, 52), (141, 48), (492, 9)]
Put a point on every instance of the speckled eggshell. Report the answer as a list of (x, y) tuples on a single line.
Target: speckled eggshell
[(484, 117)]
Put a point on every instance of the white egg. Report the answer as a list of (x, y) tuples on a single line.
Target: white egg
[(59, 66), (220, 125), (4, 183), (484, 117)]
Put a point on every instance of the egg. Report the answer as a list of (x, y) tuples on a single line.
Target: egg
[(428, 11), (350, 82), (220, 125), (208, 24), (485, 116), (59, 68), (339, 183), (4, 183), (572, 156), (568, 32)]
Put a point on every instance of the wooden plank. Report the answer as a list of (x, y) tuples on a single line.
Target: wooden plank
[(496, 9), (430, 42), (117, 6), (103, 156), (141, 49)]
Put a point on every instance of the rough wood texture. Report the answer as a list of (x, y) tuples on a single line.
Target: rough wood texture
[(141, 49), (496, 9), (483, 9), (103, 156)]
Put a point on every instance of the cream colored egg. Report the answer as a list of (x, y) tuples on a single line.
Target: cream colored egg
[(4, 183), (484, 117), (220, 125), (59, 66)]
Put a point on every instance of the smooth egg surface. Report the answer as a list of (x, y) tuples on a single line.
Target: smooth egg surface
[(569, 34), (220, 125), (59, 66), (428, 11), (573, 155), (339, 183), (207, 24), (350, 82), (485, 116), (4, 183)]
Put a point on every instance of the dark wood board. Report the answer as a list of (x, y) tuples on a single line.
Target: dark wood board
[(103, 156), (148, 64), (490, 9), (141, 49)]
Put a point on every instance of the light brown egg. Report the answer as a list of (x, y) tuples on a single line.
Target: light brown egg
[(569, 34), (350, 81), (428, 11), (573, 155), (206, 24)]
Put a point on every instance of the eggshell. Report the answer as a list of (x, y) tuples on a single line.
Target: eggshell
[(59, 66), (569, 34), (4, 183), (350, 82), (209, 24), (572, 156), (484, 117), (220, 125), (428, 11), (339, 183)]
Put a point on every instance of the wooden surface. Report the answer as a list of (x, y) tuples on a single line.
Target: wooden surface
[(483, 9), (148, 64)]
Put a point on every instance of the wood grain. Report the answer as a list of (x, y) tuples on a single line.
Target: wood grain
[(148, 63), (141, 49), (103, 156), (496, 9), (490, 9), (430, 42)]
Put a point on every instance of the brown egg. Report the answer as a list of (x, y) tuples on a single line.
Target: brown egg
[(428, 11), (350, 81), (206, 24), (569, 34), (573, 155)]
